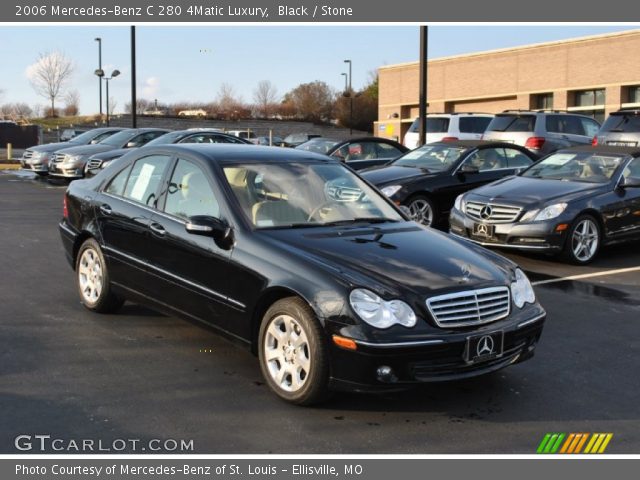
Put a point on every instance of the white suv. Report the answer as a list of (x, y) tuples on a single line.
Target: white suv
[(448, 126)]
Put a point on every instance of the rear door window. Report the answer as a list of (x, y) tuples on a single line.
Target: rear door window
[(512, 123), (474, 124), (145, 177), (516, 159)]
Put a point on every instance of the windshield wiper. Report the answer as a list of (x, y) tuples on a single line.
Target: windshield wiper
[(359, 220), (408, 165)]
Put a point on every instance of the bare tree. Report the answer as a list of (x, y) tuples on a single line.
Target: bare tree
[(113, 103), (226, 98), (50, 75), (312, 101), (72, 103), (266, 96)]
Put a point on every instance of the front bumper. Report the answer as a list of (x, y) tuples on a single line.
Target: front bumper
[(63, 171), (34, 167), (437, 358), (540, 236)]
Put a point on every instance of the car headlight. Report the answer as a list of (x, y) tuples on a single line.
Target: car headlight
[(521, 290), (459, 204), (391, 190), (36, 155), (380, 313), (72, 159), (552, 211)]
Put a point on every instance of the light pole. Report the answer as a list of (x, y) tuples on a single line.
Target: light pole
[(350, 99), (345, 80), (114, 74), (99, 40)]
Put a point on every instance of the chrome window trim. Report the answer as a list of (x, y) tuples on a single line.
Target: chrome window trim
[(146, 207)]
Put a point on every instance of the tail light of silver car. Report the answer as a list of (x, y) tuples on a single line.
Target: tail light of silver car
[(534, 143)]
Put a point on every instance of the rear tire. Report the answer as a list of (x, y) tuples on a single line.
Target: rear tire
[(93, 282), (293, 353), (583, 240)]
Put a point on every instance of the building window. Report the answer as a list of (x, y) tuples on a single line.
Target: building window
[(543, 101), (589, 102), (589, 98), (633, 94)]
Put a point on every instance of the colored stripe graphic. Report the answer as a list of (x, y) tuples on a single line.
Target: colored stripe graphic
[(573, 443)]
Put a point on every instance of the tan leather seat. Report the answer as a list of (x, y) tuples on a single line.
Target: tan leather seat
[(276, 212)]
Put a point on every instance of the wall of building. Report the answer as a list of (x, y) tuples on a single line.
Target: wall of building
[(511, 78)]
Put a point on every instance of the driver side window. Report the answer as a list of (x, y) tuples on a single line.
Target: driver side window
[(145, 177), (190, 193), (632, 170), (487, 159)]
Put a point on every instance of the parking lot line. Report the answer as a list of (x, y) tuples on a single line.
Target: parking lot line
[(588, 275)]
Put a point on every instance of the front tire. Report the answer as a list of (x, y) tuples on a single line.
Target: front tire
[(422, 210), (583, 240), (293, 352), (93, 281)]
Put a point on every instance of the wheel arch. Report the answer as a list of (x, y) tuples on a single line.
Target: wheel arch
[(267, 298)]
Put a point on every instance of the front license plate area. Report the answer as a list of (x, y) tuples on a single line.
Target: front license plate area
[(483, 230), (484, 347)]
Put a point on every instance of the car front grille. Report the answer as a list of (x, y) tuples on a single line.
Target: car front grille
[(27, 154), (471, 307), (59, 158), (492, 213), (93, 164), (343, 194)]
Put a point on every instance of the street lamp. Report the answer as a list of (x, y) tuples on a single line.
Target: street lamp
[(345, 81), (99, 40), (350, 99), (114, 74)]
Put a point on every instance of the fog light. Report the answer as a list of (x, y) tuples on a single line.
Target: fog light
[(386, 375)]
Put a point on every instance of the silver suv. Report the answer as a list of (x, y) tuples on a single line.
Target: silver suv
[(621, 129), (542, 132), (448, 127)]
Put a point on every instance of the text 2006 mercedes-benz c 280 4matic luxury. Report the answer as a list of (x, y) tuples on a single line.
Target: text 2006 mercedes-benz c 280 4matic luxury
[(301, 260)]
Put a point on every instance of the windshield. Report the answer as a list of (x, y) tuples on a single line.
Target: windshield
[(434, 158), (295, 195), (434, 125), (576, 167), (166, 139), (120, 139), (622, 123), (86, 137), (318, 145)]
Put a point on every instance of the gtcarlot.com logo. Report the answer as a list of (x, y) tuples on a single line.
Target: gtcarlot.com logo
[(47, 443), (574, 443)]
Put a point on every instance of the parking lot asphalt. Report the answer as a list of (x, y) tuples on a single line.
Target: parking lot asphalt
[(72, 374)]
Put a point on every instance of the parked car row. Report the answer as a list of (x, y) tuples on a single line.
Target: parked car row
[(542, 132)]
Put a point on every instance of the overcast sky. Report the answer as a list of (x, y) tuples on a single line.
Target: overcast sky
[(190, 63)]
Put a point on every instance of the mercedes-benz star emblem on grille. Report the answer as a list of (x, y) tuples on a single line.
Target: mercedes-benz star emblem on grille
[(485, 346), (482, 229), (486, 212)]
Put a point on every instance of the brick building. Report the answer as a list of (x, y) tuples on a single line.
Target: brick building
[(593, 75)]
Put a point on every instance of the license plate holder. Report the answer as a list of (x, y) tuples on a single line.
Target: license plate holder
[(483, 230), (481, 348)]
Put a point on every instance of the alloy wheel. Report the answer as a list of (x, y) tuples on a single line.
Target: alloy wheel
[(420, 211), (585, 240), (90, 275), (286, 353)]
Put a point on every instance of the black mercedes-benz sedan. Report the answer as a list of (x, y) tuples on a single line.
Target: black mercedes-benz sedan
[(428, 179), (571, 202), (296, 257)]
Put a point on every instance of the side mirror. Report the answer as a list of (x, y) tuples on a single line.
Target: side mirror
[(630, 182), (466, 168), (213, 227)]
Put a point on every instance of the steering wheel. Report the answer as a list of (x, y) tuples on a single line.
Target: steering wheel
[(315, 211)]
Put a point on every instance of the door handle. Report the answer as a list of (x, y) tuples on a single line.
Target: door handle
[(157, 229), (106, 209)]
